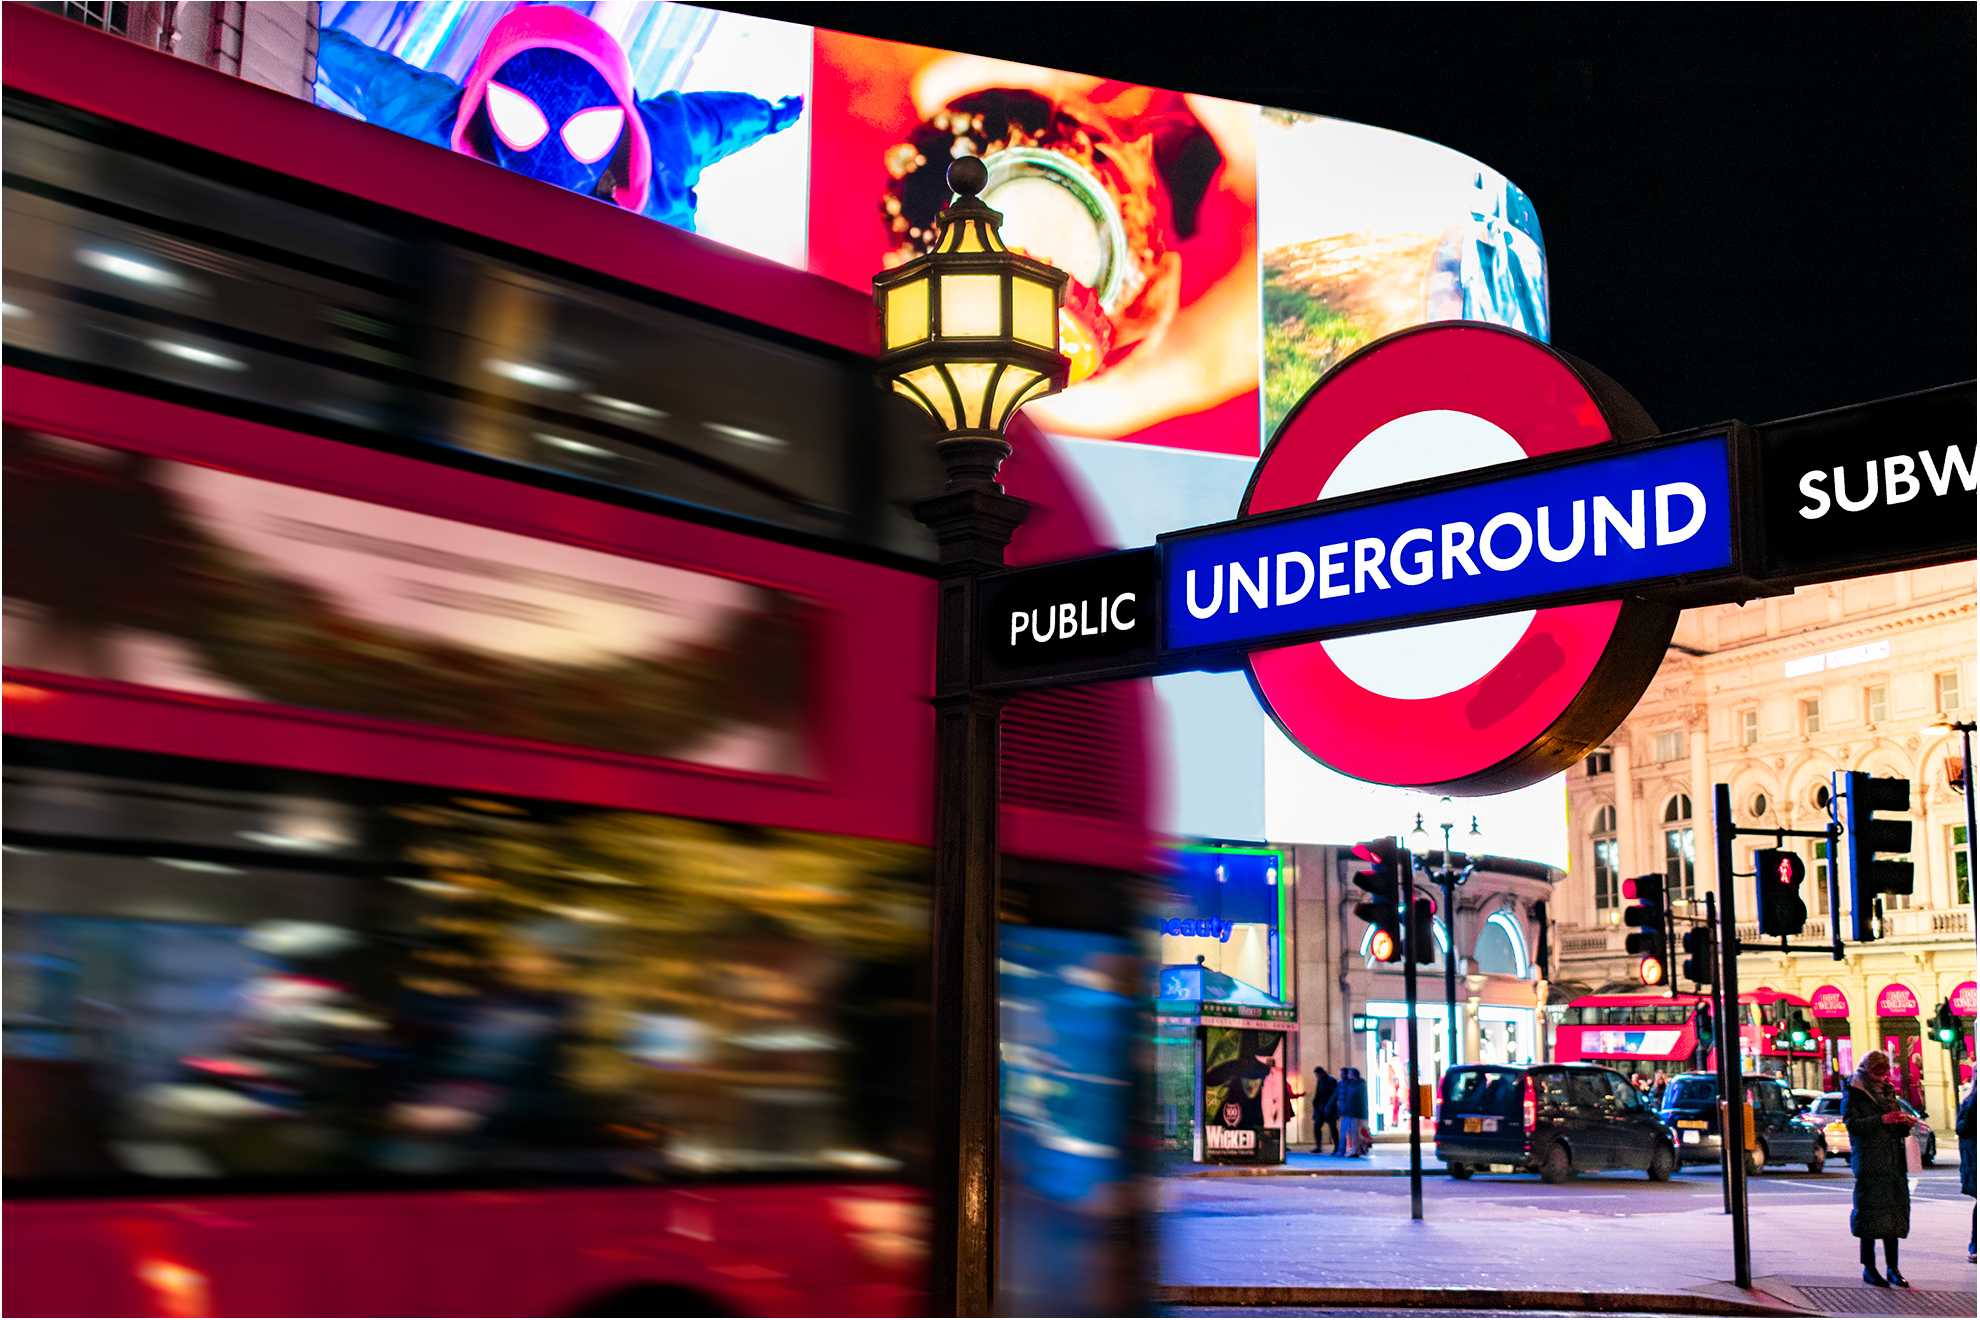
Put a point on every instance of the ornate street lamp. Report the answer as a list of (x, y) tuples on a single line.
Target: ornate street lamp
[(1449, 877), (972, 333)]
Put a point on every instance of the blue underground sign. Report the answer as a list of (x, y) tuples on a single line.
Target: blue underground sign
[(1596, 526)]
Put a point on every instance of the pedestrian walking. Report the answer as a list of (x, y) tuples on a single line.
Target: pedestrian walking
[(1658, 1085), (1353, 1097), (1880, 1206), (1325, 1113), (1963, 1129)]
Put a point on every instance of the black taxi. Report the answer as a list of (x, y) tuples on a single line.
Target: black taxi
[(1553, 1119)]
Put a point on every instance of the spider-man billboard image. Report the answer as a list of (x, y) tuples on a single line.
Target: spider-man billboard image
[(631, 104)]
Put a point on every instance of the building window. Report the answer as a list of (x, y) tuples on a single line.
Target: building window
[(1678, 851), (1811, 714), (1608, 884), (1820, 797), (1749, 727), (1956, 854), (1679, 859), (1669, 746), (1947, 685), (1601, 762), (1819, 873), (1877, 704)]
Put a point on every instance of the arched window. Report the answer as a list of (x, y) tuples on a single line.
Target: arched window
[(1608, 876), (1501, 946), (1680, 857)]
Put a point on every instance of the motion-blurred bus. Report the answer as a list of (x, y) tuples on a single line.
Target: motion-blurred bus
[(1650, 1033), (468, 766)]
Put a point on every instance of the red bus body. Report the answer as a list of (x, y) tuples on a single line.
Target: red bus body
[(757, 1247), (1658, 1033)]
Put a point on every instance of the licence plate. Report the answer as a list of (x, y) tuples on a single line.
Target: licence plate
[(1698, 1123), (1474, 1125), (1693, 1138)]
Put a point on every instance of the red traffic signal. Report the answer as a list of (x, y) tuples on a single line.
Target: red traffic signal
[(1383, 881), (1777, 876)]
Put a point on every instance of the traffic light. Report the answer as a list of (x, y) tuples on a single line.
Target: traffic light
[(1707, 1037), (1698, 968), (1945, 1027), (1777, 876), (1651, 919), (1422, 929), (1864, 836), (1384, 885)]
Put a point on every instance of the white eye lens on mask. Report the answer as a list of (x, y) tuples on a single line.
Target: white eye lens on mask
[(516, 119), (589, 134)]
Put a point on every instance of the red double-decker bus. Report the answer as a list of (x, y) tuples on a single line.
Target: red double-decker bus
[(467, 761), (1651, 1033)]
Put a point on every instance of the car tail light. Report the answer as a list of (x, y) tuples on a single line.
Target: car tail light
[(1529, 1106)]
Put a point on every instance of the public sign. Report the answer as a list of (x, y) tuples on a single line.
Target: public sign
[(1963, 999), (1080, 618), (1462, 555)]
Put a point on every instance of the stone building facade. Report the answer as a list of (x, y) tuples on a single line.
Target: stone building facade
[(1772, 697), (1501, 914), (271, 42)]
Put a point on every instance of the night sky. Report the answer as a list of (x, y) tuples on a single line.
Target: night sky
[(1750, 211)]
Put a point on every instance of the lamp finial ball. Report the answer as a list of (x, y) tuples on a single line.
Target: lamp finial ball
[(967, 175)]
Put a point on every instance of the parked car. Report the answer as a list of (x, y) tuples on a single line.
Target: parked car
[(1785, 1136), (1552, 1119), (1827, 1112)]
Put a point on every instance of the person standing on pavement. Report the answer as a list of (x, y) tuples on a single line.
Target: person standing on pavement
[(1881, 1202), (1325, 1115), (1658, 1085), (1353, 1097), (1963, 1129)]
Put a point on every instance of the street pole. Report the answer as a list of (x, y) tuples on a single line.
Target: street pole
[(973, 521), (1725, 1149), (1732, 1083), (1449, 885), (1408, 896)]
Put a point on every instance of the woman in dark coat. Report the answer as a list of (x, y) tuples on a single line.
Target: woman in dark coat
[(1881, 1204), (1353, 1101), (1963, 1129)]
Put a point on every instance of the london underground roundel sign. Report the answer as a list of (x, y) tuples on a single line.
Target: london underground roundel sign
[(1478, 705)]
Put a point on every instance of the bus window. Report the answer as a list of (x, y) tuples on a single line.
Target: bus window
[(365, 982), (130, 266)]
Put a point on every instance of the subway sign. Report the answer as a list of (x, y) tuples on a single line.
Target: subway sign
[(1479, 546), (1580, 529)]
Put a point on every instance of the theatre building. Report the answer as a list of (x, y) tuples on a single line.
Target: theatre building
[(1772, 698)]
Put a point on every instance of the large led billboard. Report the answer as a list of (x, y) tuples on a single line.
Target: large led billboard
[(1222, 255)]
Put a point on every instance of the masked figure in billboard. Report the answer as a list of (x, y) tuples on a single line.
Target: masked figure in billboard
[(551, 96)]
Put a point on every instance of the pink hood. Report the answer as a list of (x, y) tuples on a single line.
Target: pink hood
[(554, 26)]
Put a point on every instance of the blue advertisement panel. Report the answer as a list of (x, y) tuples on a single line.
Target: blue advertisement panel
[(1602, 523)]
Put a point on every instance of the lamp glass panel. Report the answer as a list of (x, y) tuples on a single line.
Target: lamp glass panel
[(1034, 313), (968, 238), (902, 388), (972, 306), (1015, 381), (907, 313), (936, 390), (972, 381)]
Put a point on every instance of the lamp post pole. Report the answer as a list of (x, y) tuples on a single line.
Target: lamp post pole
[(1448, 879), (971, 334)]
